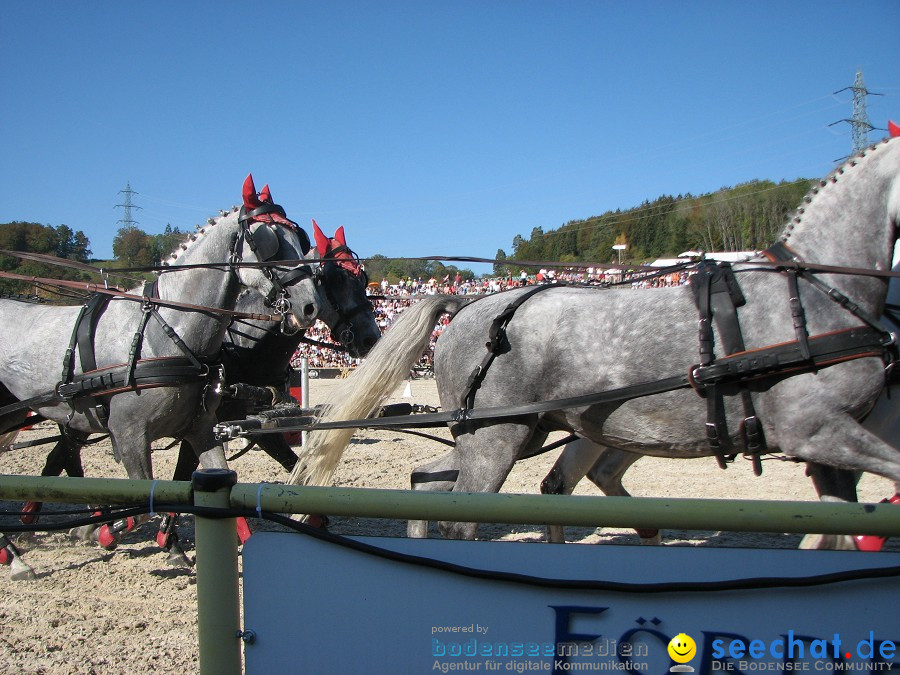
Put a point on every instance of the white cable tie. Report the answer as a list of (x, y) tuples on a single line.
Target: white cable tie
[(152, 490), (258, 498)]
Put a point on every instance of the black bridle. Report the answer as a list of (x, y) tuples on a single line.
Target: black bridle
[(264, 244), (327, 277)]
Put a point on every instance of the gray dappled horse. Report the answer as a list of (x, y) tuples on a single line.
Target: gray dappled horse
[(258, 353), (567, 342), (606, 466), (154, 365)]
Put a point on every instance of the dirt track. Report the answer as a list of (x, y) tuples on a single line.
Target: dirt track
[(91, 611)]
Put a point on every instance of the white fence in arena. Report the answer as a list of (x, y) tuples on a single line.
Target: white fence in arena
[(323, 604)]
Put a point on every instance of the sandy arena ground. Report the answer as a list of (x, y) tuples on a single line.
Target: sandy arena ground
[(93, 611)]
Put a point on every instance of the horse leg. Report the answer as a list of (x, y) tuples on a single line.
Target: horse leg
[(573, 463), (189, 459), (137, 466), (167, 535), (839, 440), (832, 485), (10, 555), (607, 474), (277, 447), (487, 454), (65, 456), (437, 476)]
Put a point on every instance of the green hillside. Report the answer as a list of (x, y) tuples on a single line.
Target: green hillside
[(746, 217)]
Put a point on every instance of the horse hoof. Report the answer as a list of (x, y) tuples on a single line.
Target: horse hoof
[(105, 538), (179, 560), (828, 542), (650, 537), (83, 533), (22, 572)]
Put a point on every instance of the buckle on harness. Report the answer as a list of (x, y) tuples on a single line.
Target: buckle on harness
[(461, 415)]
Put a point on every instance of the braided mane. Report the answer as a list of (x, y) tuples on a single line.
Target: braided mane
[(832, 178), (194, 237)]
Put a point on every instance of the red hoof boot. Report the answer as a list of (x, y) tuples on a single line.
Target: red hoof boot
[(106, 538), (108, 535), (167, 535), (30, 512), (316, 521), (872, 542)]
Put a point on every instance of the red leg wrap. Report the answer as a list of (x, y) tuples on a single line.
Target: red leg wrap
[(164, 537), (109, 534), (243, 530), (6, 557)]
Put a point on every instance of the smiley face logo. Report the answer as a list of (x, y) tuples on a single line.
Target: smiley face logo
[(682, 648)]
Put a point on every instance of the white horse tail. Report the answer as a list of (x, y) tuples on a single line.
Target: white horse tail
[(365, 390)]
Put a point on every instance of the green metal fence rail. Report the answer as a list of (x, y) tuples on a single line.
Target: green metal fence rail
[(217, 569)]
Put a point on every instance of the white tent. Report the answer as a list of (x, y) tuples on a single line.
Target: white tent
[(687, 256)]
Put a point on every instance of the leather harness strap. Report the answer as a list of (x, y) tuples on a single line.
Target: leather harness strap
[(86, 327), (147, 373), (718, 297), (136, 374), (83, 338), (497, 343), (759, 368)]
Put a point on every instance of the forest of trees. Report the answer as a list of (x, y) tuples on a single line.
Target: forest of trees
[(379, 267), (59, 241), (748, 216), (132, 247), (135, 248)]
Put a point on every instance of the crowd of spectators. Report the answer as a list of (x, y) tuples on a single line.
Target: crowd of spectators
[(389, 300)]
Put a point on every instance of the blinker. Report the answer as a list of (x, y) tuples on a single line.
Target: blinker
[(265, 241)]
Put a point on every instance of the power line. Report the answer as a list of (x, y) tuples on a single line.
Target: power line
[(127, 205)]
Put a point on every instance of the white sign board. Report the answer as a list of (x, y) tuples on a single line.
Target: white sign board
[(317, 607)]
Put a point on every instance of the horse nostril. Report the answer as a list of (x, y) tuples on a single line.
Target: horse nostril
[(309, 309)]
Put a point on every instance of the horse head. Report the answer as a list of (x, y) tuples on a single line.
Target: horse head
[(266, 235), (343, 280)]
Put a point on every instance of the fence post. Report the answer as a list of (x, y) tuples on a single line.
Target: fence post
[(218, 604), (304, 392)]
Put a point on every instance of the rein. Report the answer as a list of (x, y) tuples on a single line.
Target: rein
[(772, 362), (138, 373), (740, 370), (96, 288)]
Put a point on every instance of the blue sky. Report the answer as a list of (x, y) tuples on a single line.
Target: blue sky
[(425, 128)]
